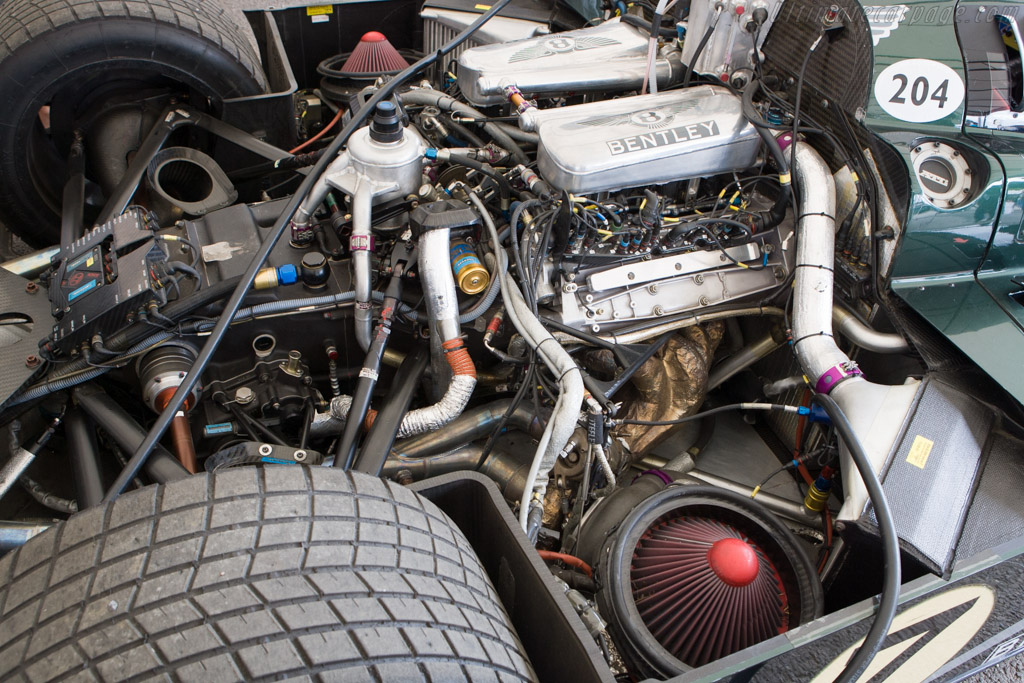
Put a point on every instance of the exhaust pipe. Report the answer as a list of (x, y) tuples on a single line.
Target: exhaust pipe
[(877, 412)]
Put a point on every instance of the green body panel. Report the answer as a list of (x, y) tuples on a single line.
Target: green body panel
[(958, 267)]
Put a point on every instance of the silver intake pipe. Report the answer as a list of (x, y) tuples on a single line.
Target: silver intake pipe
[(877, 412), (866, 337), (361, 245), (439, 283)]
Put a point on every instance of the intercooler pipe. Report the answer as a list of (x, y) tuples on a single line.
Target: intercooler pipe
[(504, 469), (876, 412), (866, 337), (744, 358), (473, 424)]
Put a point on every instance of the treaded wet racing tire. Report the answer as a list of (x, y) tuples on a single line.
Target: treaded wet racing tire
[(255, 574)]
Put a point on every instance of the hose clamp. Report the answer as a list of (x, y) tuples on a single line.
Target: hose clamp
[(836, 374)]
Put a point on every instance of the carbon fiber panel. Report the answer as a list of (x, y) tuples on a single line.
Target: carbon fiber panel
[(997, 513), (24, 319), (930, 479)]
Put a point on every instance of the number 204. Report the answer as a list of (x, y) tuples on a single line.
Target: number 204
[(920, 92)]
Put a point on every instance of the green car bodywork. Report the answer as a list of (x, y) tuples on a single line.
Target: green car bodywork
[(959, 268)]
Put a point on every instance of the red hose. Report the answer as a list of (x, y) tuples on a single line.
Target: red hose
[(458, 358), (332, 124), (570, 560)]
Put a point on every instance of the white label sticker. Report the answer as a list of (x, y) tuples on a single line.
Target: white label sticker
[(919, 90)]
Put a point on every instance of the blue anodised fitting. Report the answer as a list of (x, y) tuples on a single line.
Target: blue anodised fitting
[(814, 414), (774, 117), (431, 153), (287, 274)]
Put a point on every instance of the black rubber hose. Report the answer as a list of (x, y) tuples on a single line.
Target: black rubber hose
[(696, 53), (504, 187), (645, 26), (769, 219), (273, 236), (345, 452), (381, 437), (889, 599)]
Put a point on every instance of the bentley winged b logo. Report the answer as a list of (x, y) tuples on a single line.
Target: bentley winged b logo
[(559, 45), (653, 118)]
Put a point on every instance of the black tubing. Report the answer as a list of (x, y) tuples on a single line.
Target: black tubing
[(696, 53), (504, 187), (83, 454), (769, 219), (161, 467), (889, 599), (138, 458), (381, 437), (646, 26)]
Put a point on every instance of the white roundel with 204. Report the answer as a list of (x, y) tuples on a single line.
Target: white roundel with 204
[(919, 90)]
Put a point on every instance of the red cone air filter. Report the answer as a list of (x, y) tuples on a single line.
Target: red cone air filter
[(704, 590), (374, 54), (694, 573)]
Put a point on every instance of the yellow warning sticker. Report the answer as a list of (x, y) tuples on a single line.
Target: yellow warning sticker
[(88, 264), (482, 8), (919, 451), (319, 10)]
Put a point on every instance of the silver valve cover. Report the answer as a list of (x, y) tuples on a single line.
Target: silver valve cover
[(612, 56), (643, 140)]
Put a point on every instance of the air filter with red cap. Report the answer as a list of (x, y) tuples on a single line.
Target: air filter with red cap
[(373, 55), (696, 573)]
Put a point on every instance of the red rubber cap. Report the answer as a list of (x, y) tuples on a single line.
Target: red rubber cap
[(373, 37), (733, 561), (740, 9)]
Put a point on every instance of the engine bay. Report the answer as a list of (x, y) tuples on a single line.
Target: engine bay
[(628, 271)]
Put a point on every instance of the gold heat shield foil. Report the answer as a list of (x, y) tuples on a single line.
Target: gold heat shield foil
[(671, 385)]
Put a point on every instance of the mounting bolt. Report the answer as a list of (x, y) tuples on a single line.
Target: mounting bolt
[(698, 279), (31, 288), (299, 455), (658, 311), (703, 301), (265, 449), (32, 362)]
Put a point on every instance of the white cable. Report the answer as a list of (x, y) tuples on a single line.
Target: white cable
[(652, 49), (562, 424)]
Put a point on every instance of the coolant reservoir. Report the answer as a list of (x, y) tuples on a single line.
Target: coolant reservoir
[(387, 153)]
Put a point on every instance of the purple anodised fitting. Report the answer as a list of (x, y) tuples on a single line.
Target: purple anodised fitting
[(659, 474), (836, 374), (785, 140)]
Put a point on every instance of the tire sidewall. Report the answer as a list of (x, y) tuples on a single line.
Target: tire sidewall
[(37, 70)]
